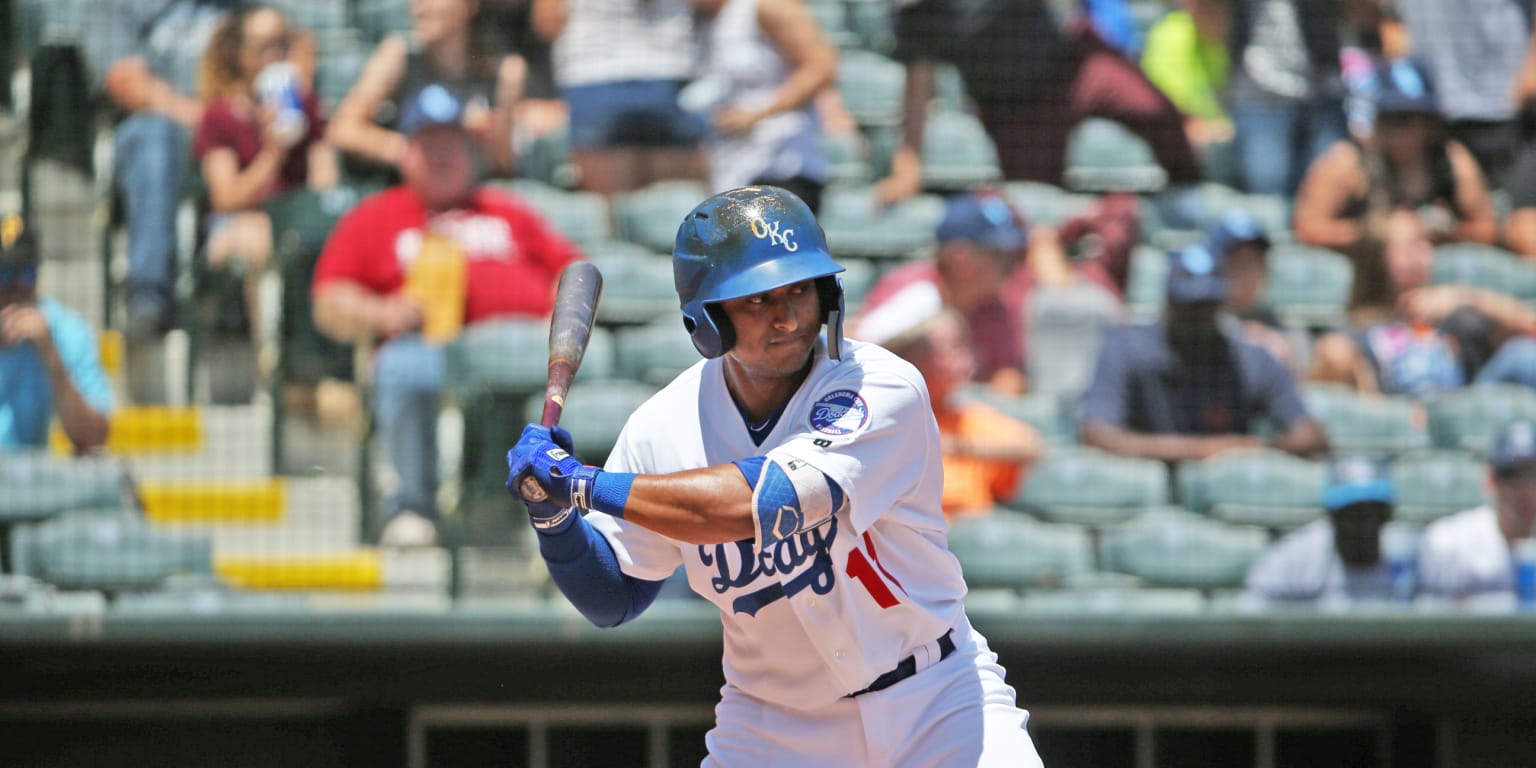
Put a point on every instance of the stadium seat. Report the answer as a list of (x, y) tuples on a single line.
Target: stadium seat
[(637, 283), (872, 22), (1147, 283), (1115, 602), (650, 216), (848, 159), (832, 17), (858, 276), (1066, 327), (1046, 204), (339, 64), (1043, 412), (1366, 424), (872, 87), (580, 216), (655, 353), (1468, 419), (1254, 487), (39, 486), (1009, 550), (108, 551), (857, 227), (1105, 156), (315, 15), (957, 153), (1484, 266), (1432, 485), (1171, 547), (1091, 487), (380, 18), (595, 412), (512, 356), (1308, 287), (1271, 211)]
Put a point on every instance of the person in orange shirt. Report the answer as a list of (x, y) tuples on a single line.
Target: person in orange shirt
[(986, 452)]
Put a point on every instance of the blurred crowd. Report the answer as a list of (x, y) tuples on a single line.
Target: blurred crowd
[(1393, 139)]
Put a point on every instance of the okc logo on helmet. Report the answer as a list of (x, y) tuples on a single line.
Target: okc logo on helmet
[(839, 413), (763, 230)]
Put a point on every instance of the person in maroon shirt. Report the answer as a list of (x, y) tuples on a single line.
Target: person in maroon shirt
[(512, 261), (247, 156)]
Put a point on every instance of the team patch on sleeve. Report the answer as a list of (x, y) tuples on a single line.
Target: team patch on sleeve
[(839, 413), (791, 498)]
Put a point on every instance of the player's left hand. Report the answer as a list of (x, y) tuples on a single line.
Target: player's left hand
[(545, 455)]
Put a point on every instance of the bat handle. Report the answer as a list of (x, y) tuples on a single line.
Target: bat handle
[(528, 486)]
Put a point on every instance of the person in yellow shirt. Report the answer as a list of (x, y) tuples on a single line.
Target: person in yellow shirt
[(986, 452)]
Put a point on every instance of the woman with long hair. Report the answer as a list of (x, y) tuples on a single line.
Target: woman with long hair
[(443, 48), (1408, 163), (251, 149)]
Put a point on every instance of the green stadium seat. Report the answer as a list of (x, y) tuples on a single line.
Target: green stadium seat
[(1066, 328), (580, 216), (832, 17), (1308, 286), (1378, 425), (1272, 211), (1105, 156), (315, 15), (1009, 550), (39, 485), (848, 160), (858, 277), (1091, 487), (1043, 412), (1254, 487), (1046, 204), (957, 153), (1172, 547), (1484, 266), (872, 87), (595, 413), (1468, 419), (637, 284), (857, 227), (512, 356), (1432, 485), (108, 551), (650, 216), (655, 353), (1147, 284), (380, 18), (337, 69), (872, 22)]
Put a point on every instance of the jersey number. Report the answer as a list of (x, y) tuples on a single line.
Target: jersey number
[(868, 570)]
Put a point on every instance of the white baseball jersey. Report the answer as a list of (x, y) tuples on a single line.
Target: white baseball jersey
[(1304, 566), (823, 613), (1465, 555)]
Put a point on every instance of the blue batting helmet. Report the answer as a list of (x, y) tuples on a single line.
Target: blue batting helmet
[(745, 242)]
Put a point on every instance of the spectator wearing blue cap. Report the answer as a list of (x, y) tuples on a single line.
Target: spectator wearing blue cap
[(503, 260), (1408, 163), (49, 365), (1467, 557), (1183, 388), (1341, 559)]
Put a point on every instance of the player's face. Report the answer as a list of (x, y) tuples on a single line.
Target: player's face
[(1515, 491), (776, 330)]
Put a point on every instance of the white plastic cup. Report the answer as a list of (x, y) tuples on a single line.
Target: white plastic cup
[(278, 86)]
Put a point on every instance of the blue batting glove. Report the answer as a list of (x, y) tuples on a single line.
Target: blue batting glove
[(549, 518), (564, 478)]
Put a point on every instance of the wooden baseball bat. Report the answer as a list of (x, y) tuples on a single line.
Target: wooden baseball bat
[(570, 328)]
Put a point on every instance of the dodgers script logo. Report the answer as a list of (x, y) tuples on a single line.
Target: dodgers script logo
[(763, 230), (839, 413), (737, 565)]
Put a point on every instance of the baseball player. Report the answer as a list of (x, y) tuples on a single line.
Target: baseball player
[(1467, 557), (797, 480)]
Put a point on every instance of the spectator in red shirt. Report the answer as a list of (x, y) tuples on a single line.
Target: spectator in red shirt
[(511, 258), (248, 155)]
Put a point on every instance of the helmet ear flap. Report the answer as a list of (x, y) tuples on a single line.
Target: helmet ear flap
[(710, 329), (723, 328)]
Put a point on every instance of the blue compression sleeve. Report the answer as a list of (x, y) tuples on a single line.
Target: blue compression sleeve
[(582, 563)]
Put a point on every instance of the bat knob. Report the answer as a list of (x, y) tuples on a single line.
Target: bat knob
[(531, 490)]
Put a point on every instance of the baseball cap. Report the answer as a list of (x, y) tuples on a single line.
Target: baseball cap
[(433, 105), (1403, 87), (18, 251), (1196, 273), (1515, 446), (1234, 228), (1357, 480), (985, 219)]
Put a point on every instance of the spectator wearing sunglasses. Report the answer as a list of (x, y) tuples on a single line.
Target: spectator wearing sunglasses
[(49, 363), (1468, 557)]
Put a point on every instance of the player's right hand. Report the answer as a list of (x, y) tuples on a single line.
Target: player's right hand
[(543, 453)]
